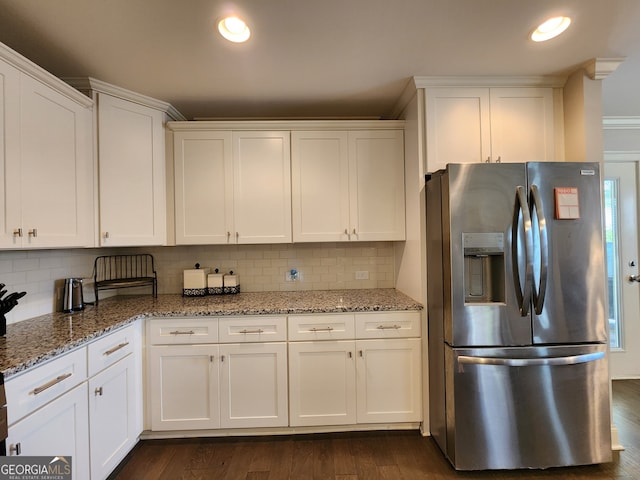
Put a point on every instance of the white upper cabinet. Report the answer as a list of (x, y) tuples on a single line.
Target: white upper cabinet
[(348, 185), (465, 125), (262, 186), (131, 162), (232, 187), (46, 159), (203, 187)]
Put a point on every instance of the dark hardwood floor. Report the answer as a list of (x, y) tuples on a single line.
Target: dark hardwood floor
[(358, 456)]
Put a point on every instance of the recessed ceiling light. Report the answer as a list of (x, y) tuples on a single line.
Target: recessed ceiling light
[(234, 29), (550, 29)]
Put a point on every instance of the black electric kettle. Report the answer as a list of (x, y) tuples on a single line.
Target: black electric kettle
[(72, 300)]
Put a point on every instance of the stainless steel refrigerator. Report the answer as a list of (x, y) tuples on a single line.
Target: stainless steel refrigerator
[(517, 324)]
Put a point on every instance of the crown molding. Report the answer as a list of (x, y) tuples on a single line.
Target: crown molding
[(27, 67), (555, 81), (204, 125), (621, 123), (88, 85), (601, 68)]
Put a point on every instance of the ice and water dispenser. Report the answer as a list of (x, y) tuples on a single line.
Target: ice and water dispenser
[(483, 267)]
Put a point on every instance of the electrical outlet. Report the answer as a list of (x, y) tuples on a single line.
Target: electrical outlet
[(362, 275), (293, 275)]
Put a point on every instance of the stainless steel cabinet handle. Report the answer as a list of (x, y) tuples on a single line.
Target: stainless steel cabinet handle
[(116, 348), (499, 159), (98, 392), (50, 384), (178, 332), (17, 232), (350, 354), (321, 329), (388, 327), (105, 235), (17, 448), (252, 331), (488, 160), (33, 232)]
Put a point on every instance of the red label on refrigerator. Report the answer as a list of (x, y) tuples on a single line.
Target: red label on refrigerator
[(567, 205)]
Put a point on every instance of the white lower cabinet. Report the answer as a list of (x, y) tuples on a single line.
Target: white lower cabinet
[(59, 428), (112, 416), (389, 381), (322, 383), (223, 385), (183, 382), (268, 371), (115, 398), (340, 382), (253, 385)]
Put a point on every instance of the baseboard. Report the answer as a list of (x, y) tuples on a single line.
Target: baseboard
[(616, 446), (248, 432)]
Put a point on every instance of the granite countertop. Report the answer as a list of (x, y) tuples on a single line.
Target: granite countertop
[(39, 339)]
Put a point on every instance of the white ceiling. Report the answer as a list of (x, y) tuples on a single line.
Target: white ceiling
[(317, 58)]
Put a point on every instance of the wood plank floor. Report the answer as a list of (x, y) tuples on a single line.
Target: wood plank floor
[(394, 455)]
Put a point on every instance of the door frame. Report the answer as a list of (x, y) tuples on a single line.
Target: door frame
[(624, 157)]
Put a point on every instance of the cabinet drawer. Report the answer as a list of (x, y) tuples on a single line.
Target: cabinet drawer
[(388, 324), (262, 328), (36, 387), (172, 331), (109, 349), (322, 327)]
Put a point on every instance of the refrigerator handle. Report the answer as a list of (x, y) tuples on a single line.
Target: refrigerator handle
[(530, 362), (523, 292), (539, 292)]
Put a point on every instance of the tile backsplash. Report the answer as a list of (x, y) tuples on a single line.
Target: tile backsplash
[(320, 266)]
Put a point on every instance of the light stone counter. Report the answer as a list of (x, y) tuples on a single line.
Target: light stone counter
[(39, 339)]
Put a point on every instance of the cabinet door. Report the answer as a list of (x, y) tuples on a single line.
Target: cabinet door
[(322, 385), (55, 163), (132, 173), (262, 187), (203, 187), (320, 186), (458, 126), (253, 385), (59, 429), (184, 387), (376, 178), (389, 381), (522, 127), (112, 416), (10, 194)]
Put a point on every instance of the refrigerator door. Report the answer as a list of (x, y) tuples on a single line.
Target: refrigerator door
[(569, 289), (527, 407), (481, 203)]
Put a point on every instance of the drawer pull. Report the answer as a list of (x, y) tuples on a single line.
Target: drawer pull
[(116, 348), (17, 449), (321, 329), (388, 327), (98, 391), (178, 332), (252, 331), (50, 384)]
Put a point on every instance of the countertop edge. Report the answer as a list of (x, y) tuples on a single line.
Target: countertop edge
[(123, 320)]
